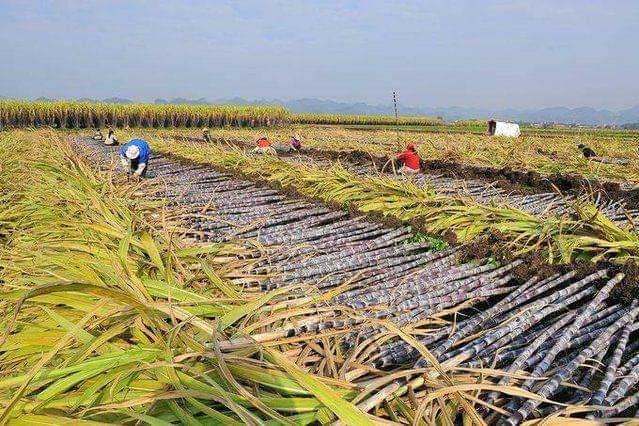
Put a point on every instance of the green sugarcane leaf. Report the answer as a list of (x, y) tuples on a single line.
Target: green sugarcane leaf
[(218, 282), (249, 308), (343, 409), (51, 420), (149, 246)]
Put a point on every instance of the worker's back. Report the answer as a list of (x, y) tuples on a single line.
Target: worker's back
[(142, 145)]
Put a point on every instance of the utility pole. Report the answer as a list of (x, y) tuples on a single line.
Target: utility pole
[(395, 104), (396, 119)]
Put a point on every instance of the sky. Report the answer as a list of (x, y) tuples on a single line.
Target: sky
[(482, 54)]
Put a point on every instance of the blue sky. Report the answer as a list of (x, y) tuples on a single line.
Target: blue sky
[(491, 54)]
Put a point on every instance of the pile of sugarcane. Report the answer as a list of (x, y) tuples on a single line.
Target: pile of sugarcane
[(546, 345)]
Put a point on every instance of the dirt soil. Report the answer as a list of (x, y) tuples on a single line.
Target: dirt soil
[(494, 245)]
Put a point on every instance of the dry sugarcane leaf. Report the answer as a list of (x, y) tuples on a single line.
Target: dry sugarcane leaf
[(427, 355)]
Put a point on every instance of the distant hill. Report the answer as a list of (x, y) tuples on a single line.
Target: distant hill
[(201, 101), (582, 116)]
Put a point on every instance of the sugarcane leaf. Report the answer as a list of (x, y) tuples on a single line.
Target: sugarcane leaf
[(51, 420), (343, 409), (149, 246), (218, 282), (248, 308)]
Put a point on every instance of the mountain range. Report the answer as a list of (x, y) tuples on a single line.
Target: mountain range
[(581, 116)]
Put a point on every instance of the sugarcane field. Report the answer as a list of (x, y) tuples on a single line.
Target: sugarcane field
[(315, 284), (319, 213)]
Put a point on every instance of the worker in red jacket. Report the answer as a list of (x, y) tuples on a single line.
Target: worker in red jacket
[(409, 159), (264, 147)]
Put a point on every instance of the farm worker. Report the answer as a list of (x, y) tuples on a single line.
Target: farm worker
[(264, 147), (134, 156), (295, 143), (97, 136), (591, 155), (111, 140), (586, 151), (205, 133), (410, 160)]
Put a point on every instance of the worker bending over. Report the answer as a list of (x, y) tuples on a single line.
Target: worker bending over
[(134, 156), (588, 153), (97, 136), (592, 156), (264, 147), (295, 143), (205, 134), (409, 159), (111, 140)]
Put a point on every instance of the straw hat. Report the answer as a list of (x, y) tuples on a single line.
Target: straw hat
[(132, 152)]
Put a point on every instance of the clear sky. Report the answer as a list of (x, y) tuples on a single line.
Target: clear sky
[(490, 54)]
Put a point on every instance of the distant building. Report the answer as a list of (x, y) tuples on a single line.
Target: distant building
[(501, 128)]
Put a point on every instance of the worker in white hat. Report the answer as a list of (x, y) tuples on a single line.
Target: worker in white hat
[(134, 156)]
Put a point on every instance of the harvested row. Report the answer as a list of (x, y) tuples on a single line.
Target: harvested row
[(539, 203), (542, 204), (463, 317)]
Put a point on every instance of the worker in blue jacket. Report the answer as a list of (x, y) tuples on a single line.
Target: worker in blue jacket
[(134, 156)]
